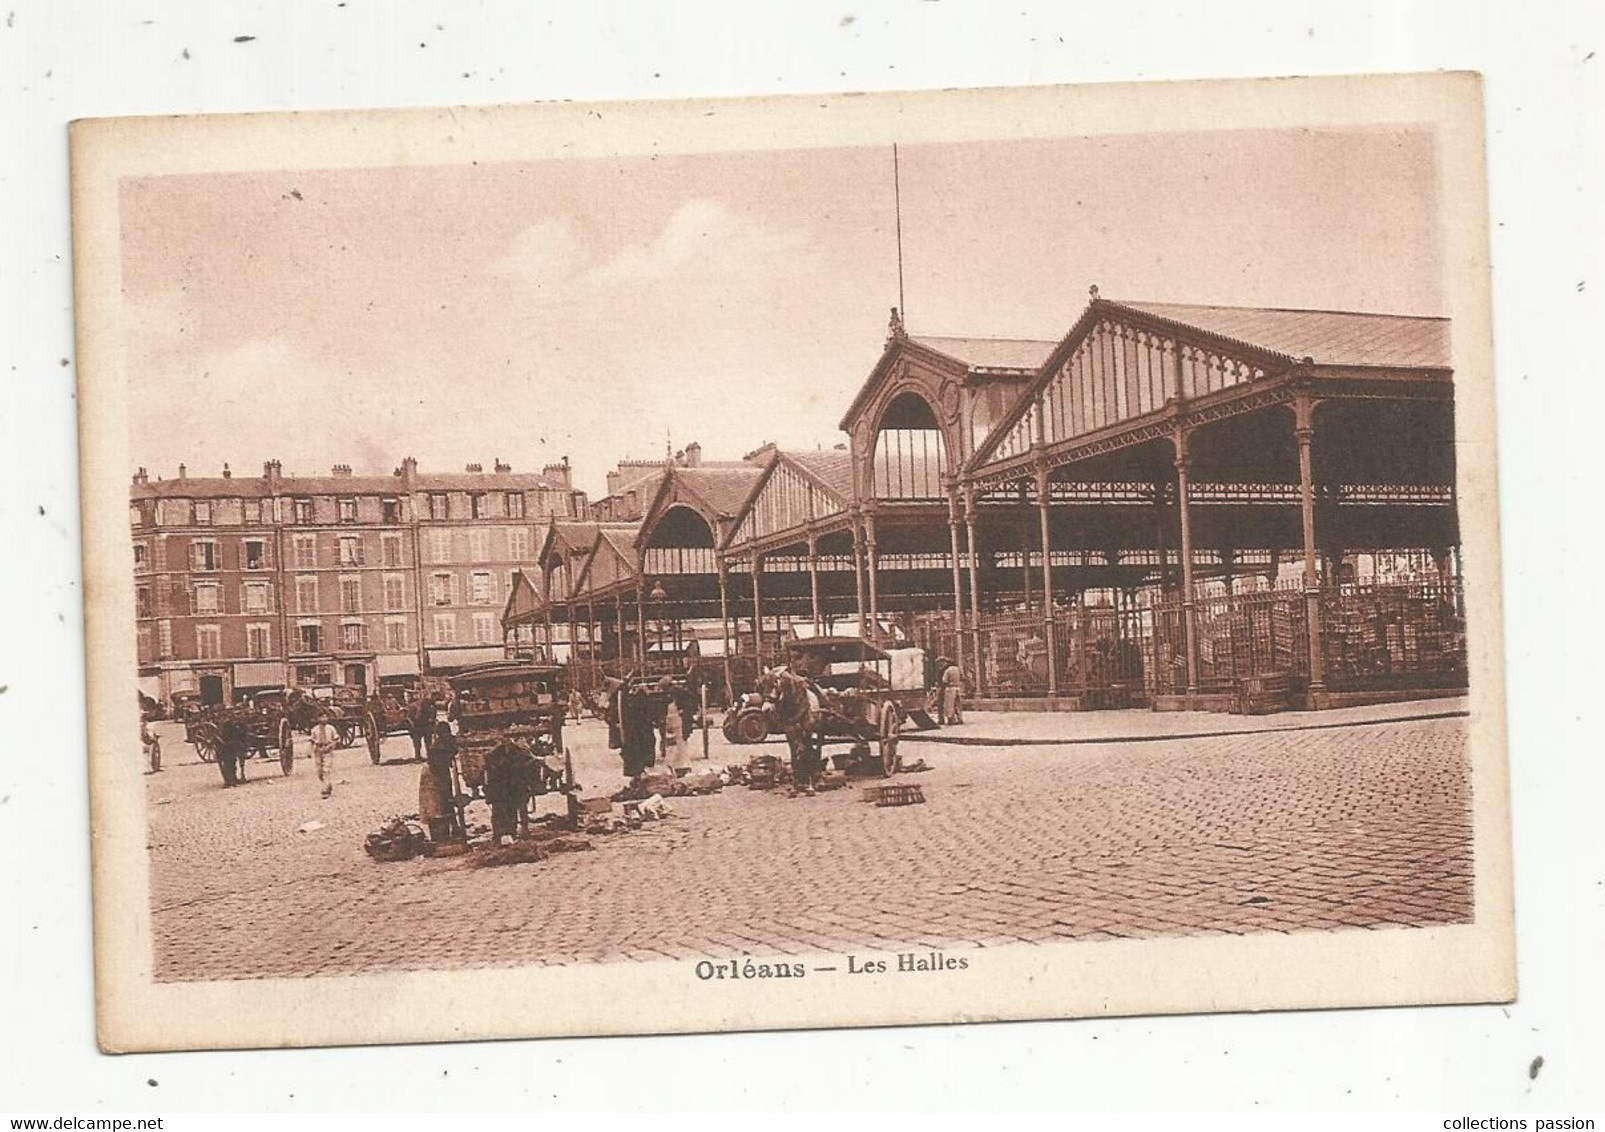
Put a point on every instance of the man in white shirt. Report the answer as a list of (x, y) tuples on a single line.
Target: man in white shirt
[(324, 741)]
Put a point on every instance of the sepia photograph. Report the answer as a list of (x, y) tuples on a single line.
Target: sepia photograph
[(802, 562)]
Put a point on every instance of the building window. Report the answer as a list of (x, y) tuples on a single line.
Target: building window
[(350, 595), (353, 636), (142, 606), (306, 595), (256, 597), (303, 512), (311, 675), (306, 552), (440, 546), (203, 555), (350, 550), (259, 640), (479, 546), (203, 513), (515, 504), (348, 510), (208, 642), (445, 628), (141, 557), (206, 597), (396, 634), (517, 543), (485, 628), (438, 505), (390, 549), (390, 511), (479, 588), (395, 592), (143, 642), (443, 588), (254, 551), (136, 515), (253, 510), (309, 635)]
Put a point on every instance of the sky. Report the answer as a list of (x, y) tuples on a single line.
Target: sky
[(603, 309)]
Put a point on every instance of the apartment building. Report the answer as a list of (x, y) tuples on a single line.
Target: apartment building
[(275, 580)]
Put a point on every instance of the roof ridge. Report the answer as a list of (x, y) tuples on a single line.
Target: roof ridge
[(1139, 303)]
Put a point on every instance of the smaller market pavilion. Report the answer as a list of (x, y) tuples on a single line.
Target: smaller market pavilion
[(860, 533)]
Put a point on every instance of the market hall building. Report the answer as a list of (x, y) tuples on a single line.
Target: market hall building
[(1173, 506)]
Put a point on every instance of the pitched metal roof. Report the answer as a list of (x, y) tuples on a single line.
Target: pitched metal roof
[(1025, 355), (723, 489), (1331, 338), (623, 542), (832, 466)]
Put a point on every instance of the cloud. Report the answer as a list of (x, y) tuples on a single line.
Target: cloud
[(547, 252), (703, 241)]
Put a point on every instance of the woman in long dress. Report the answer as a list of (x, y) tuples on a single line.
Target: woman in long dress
[(436, 802)]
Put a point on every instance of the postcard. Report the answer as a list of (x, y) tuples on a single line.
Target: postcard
[(816, 561)]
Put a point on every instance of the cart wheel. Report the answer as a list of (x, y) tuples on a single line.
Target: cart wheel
[(205, 748), (891, 721), (370, 727), (345, 735), (751, 727), (286, 746)]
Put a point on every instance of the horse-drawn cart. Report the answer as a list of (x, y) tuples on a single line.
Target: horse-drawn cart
[(266, 729), (865, 695), (510, 738)]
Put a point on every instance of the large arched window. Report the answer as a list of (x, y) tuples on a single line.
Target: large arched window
[(909, 454), (681, 542)]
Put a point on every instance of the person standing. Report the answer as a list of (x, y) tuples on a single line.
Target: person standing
[(637, 731), (576, 705), (676, 754), (437, 802), (152, 745), (951, 682), (324, 741), (231, 750)]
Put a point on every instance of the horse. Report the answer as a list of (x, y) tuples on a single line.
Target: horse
[(796, 707), (421, 721)]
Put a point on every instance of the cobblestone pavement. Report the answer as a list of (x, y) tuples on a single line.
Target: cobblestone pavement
[(1357, 827)]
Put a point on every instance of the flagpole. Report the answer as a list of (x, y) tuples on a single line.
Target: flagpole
[(897, 198)]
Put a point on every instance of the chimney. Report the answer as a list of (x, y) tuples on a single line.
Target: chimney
[(341, 469), (272, 470), (615, 480), (501, 468), (693, 455), (474, 469), (142, 477), (559, 473), (183, 472), (228, 475), (409, 470)]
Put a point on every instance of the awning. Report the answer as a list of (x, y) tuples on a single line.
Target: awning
[(397, 664), (259, 674), (151, 686), (451, 659)]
